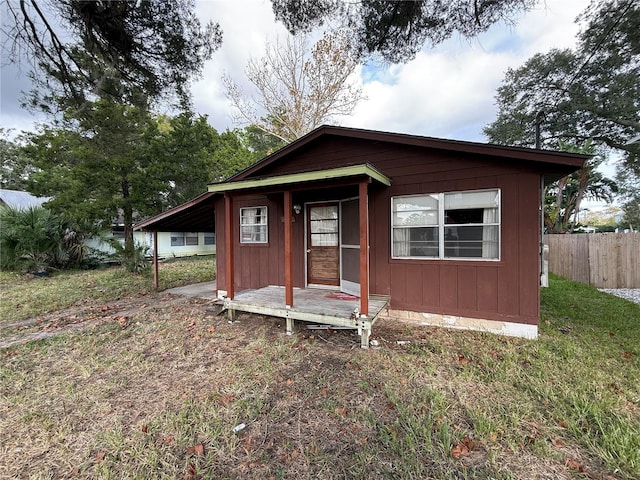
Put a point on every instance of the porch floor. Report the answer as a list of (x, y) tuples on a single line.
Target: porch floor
[(316, 305)]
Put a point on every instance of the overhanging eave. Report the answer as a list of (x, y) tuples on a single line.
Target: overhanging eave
[(350, 171)]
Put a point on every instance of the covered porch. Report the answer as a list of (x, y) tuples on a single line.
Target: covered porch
[(319, 243), (327, 307)]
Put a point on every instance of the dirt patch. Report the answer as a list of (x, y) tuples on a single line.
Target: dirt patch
[(79, 318)]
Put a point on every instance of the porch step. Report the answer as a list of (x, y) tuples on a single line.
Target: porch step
[(327, 327)]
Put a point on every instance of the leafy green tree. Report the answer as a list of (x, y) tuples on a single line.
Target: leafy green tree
[(397, 30), (153, 46), (100, 167), (231, 155), (260, 142), (628, 181), (117, 162), (564, 197), (177, 153), (574, 96), (14, 166)]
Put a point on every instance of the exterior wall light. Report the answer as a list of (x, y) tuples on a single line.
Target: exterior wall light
[(297, 208)]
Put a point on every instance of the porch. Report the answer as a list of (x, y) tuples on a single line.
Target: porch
[(316, 305)]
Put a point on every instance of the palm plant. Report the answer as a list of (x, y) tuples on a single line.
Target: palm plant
[(36, 240)]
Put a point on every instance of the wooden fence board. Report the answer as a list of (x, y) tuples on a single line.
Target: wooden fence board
[(603, 260)]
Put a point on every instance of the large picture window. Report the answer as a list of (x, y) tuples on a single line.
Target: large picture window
[(253, 225), (460, 225)]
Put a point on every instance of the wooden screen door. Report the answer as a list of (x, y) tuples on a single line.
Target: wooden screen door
[(323, 247)]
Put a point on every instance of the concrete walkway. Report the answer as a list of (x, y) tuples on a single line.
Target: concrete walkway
[(200, 290)]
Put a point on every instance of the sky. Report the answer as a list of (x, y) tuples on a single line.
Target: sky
[(447, 91)]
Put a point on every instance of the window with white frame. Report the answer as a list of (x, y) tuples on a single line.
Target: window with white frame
[(456, 225), (180, 239), (253, 225), (209, 238)]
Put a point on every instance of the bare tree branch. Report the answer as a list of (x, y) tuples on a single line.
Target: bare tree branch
[(298, 88)]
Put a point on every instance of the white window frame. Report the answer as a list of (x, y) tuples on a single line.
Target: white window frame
[(441, 226), (247, 238), (184, 236), (209, 235)]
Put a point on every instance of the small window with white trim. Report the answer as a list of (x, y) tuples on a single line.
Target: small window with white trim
[(453, 225), (253, 225), (209, 238), (180, 239)]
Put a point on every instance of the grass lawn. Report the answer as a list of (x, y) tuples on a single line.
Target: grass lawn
[(158, 394)]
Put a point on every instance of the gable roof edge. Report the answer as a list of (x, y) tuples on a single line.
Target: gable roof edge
[(520, 153)]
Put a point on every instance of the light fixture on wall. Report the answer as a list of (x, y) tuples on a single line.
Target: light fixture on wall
[(297, 208)]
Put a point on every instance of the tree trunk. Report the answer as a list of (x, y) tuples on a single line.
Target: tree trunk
[(583, 182), (127, 214), (559, 224)]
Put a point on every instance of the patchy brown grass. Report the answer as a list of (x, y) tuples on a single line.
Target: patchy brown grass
[(158, 396), (28, 296)]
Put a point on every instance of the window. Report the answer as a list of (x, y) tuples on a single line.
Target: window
[(323, 225), (209, 238), (415, 226), (446, 225), (180, 239), (253, 225)]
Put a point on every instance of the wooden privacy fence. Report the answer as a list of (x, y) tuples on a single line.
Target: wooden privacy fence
[(603, 260)]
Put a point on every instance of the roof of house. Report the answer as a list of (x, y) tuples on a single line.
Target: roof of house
[(20, 200), (549, 157), (196, 215)]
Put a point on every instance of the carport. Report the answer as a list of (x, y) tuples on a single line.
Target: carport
[(194, 215)]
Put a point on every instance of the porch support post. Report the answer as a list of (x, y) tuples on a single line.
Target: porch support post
[(364, 247), (155, 261), (288, 250), (228, 245)]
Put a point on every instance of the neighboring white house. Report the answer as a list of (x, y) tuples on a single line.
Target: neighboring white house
[(170, 244), (179, 244)]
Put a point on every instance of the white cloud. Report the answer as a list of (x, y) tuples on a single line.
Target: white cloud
[(447, 91), (246, 26)]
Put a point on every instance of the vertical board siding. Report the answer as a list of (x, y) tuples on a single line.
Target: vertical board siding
[(415, 288), (507, 289), (467, 288), (603, 260), (431, 285), (502, 290), (449, 287), (529, 241), (487, 279), (220, 245)]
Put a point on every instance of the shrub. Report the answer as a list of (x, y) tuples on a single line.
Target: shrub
[(36, 240)]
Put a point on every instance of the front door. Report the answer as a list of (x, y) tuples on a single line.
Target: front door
[(323, 247)]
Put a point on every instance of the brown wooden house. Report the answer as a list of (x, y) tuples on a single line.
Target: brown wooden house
[(439, 231)]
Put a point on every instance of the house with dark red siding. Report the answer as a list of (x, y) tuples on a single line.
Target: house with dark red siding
[(344, 226)]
